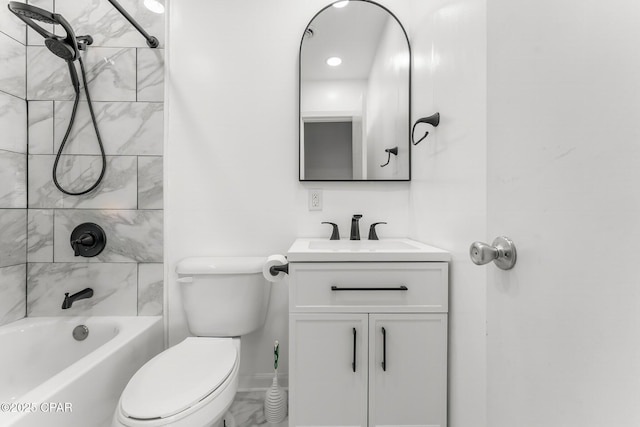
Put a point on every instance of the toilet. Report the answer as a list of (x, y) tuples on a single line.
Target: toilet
[(193, 383)]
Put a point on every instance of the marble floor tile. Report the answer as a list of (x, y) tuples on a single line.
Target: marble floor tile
[(248, 410)]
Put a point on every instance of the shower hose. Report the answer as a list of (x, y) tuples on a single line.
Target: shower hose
[(66, 137)]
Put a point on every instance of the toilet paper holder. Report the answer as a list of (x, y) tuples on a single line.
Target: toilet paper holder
[(277, 269)]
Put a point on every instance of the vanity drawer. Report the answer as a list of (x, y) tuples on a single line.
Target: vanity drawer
[(369, 287)]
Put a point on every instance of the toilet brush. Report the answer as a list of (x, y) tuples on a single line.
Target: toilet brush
[(275, 401)]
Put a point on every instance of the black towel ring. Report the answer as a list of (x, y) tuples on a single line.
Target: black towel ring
[(433, 120), (390, 151)]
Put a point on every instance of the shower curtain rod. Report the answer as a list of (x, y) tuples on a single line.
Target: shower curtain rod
[(151, 41)]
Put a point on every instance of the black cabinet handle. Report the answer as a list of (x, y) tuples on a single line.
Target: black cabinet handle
[(397, 288), (384, 349), (353, 364)]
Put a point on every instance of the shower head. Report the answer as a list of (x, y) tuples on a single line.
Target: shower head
[(32, 12), (64, 47)]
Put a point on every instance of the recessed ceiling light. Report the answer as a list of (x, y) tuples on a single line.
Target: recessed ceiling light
[(154, 6), (334, 61), (341, 4)]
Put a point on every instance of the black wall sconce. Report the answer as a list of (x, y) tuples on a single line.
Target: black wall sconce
[(433, 120)]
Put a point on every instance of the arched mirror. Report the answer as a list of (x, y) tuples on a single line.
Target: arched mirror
[(355, 85)]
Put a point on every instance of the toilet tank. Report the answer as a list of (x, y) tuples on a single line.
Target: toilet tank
[(223, 296)]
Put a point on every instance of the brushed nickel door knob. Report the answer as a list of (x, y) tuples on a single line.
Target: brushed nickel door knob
[(502, 252)]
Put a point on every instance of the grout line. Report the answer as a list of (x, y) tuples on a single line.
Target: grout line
[(137, 289), (13, 38), (12, 152), (53, 235), (10, 94), (53, 127), (137, 183), (13, 265), (135, 66)]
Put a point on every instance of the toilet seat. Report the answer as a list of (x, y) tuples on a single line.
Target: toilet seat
[(175, 381)]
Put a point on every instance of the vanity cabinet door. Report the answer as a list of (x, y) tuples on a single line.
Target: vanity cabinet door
[(411, 388), (329, 365)]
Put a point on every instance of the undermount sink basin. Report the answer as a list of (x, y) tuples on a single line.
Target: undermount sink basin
[(324, 250)]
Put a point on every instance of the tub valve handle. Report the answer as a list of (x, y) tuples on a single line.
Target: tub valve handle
[(88, 240), (84, 240)]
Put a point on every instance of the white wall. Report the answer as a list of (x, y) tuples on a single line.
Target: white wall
[(232, 166), (563, 109), (231, 170), (448, 188), (332, 96)]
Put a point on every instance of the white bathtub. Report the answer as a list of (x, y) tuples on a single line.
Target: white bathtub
[(47, 378)]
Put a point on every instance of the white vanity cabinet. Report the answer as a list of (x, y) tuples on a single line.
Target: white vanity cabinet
[(368, 343)]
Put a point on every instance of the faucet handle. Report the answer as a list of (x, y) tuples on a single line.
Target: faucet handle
[(335, 234), (372, 231)]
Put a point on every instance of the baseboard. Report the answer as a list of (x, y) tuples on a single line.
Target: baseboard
[(261, 381)]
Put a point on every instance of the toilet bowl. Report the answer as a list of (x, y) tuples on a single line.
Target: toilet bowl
[(193, 383)]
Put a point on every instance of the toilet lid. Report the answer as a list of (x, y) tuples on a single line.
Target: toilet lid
[(179, 377)]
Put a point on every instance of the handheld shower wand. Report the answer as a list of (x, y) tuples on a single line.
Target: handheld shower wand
[(67, 48)]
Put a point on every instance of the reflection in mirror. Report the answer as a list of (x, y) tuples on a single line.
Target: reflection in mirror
[(355, 64)]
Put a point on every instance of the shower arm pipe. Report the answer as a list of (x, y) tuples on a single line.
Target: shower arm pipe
[(151, 40)]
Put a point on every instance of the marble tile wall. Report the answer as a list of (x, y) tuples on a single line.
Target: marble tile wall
[(13, 168), (125, 80)]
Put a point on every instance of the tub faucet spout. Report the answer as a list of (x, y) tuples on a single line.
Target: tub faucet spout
[(69, 299)]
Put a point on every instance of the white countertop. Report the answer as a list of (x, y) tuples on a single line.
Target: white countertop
[(383, 250)]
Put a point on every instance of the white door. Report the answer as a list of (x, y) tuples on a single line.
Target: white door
[(329, 358), (407, 370), (563, 331)]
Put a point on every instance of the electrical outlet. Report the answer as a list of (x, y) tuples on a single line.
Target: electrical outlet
[(315, 199)]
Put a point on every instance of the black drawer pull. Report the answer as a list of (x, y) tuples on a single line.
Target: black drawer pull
[(398, 288), (353, 364), (384, 349)]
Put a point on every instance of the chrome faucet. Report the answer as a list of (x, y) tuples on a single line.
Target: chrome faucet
[(69, 300), (355, 227)]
